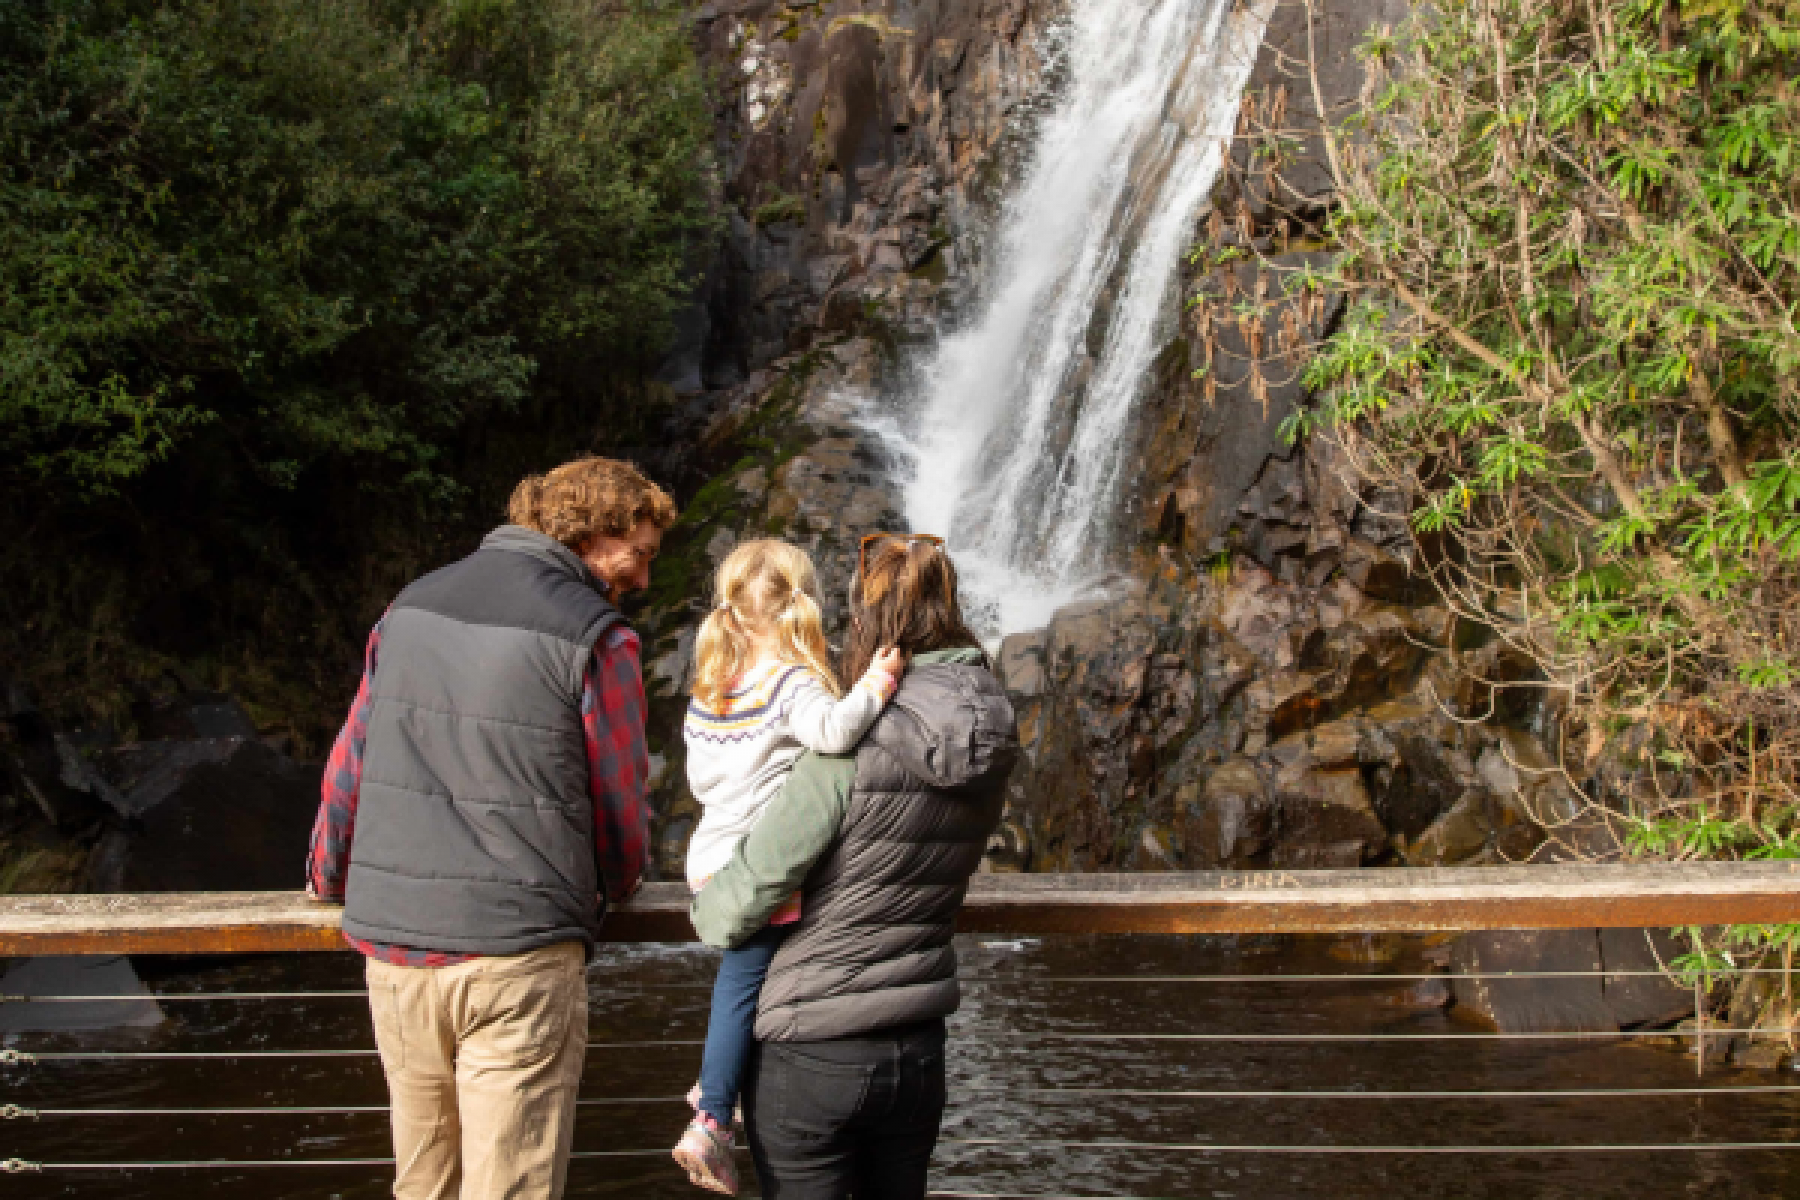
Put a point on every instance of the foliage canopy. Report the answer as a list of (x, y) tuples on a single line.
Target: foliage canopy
[(333, 232), (272, 272), (1572, 244)]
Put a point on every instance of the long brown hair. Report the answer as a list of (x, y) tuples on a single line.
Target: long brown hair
[(904, 596)]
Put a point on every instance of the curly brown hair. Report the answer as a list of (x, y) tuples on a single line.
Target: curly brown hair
[(586, 497)]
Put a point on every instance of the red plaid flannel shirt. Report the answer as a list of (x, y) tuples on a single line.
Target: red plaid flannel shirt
[(612, 716)]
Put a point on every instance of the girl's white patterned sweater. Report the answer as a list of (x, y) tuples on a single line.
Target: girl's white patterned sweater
[(738, 758)]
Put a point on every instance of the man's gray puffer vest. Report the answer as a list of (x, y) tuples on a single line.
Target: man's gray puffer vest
[(475, 826), (872, 947)]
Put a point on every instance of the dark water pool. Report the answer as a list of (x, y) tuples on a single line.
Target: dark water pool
[(1000, 1075)]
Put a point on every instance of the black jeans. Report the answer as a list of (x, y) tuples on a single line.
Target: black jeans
[(849, 1117)]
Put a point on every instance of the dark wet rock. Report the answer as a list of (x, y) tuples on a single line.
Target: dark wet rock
[(1532, 1005), (1377, 573), (1323, 811), (1020, 664), (1280, 96), (194, 715), (1325, 819), (147, 773), (1459, 835), (1422, 770), (54, 804), (1768, 1053), (858, 140), (1762, 1004), (225, 814), (1610, 993), (213, 806), (1287, 702), (1226, 821), (1251, 722), (1637, 999)]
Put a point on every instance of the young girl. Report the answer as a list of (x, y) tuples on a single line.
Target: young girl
[(764, 693)]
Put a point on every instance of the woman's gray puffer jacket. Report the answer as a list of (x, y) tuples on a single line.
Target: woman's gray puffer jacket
[(872, 947)]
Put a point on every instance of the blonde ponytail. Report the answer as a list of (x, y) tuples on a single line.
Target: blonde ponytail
[(801, 628), (771, 587), (721, 652)]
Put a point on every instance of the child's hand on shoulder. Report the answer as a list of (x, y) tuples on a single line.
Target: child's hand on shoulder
[(890, 659)]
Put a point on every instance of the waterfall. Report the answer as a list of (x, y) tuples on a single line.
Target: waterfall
[(1025, 411)]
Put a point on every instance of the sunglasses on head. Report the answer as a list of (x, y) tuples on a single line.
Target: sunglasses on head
[(862, 548)]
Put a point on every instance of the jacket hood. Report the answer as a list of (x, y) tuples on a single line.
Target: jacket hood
[(950, 725), (517, 539)]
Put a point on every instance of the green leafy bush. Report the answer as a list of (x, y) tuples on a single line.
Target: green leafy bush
[(282, 282), (1572, 246)]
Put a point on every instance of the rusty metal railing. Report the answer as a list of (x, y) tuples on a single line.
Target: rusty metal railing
[(1516, 897), (1569, 896)]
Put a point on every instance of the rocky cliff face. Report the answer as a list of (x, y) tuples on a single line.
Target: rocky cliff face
[(1265, 685), (1271, 686), (859, 141), (863, 146)]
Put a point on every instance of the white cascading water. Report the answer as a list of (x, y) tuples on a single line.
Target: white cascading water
[(1026, 409)]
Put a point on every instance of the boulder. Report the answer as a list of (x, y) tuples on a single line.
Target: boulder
[(1020, 664), (46, 776), (1228, 821), (1421, 770), (1324, 818), (1640, 1000), (1599, 999), (1575, 1003), (194, 714), (220, 814), (1459, 835), (1287, 702)]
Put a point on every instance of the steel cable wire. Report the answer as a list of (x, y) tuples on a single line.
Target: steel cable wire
[(1359, 976), (163, 997), (1221, 1148), (18, 1112), (20, 1166), (1033, 1196), (13, 1056), (1429, 1036), (23, 1166), (25, 1057), (1278, 977)]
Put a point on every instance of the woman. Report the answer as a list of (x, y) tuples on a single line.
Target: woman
[(848, 1089)]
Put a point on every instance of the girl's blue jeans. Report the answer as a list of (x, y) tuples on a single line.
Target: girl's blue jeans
[(731, 1031)]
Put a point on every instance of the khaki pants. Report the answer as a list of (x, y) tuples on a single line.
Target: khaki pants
[(483, 1061)]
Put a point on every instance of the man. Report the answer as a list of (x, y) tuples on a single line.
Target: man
[(484, 801)]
